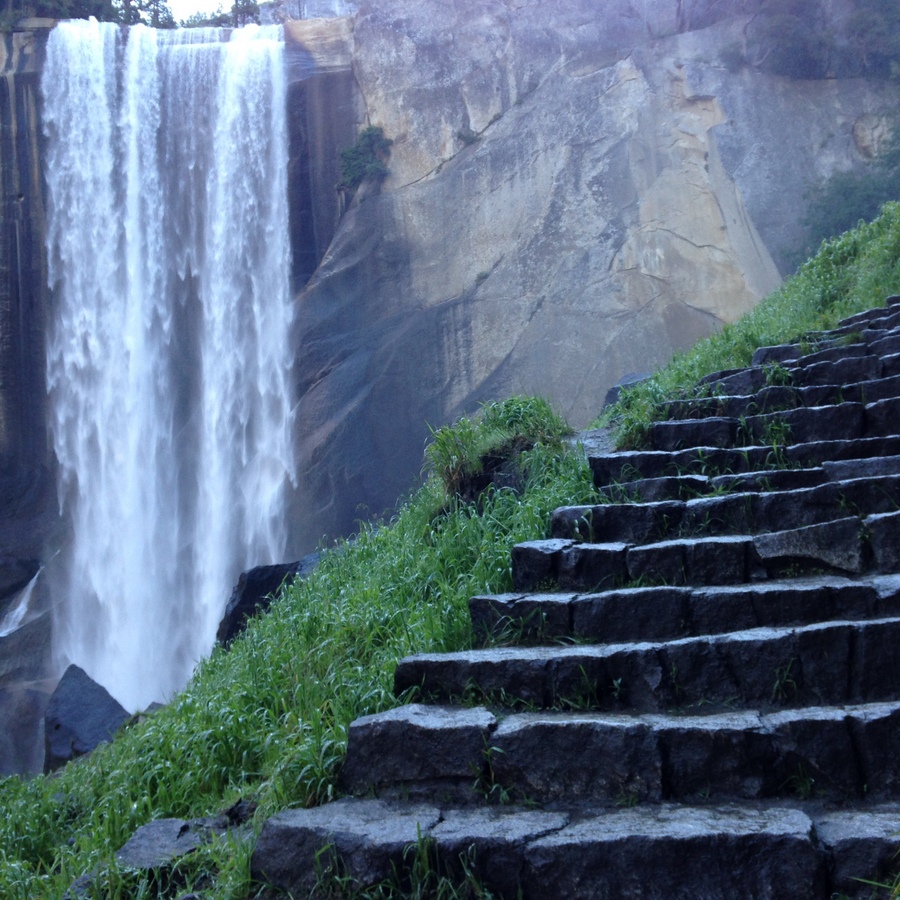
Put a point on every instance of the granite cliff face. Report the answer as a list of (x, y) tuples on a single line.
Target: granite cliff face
[(27, 515), (572, 197)]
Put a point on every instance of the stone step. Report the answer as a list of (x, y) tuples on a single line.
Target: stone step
[(875, 317), (829, 368), (834, 753), (803, 425), (826, 753), (742, 513), (841, 545), (665, 613), (653, 852), (632, 465), (825, 664), (689, 487), (779, 398)]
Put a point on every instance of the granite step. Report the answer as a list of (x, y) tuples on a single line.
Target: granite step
[(666, 613), (758, 850), (689, 487), (824, 664), (776, 398), (742, 513), (828, 369), (841, 545), (632, 465), (803, 425), (830, 753)]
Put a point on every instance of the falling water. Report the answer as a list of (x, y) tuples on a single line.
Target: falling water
[(168, 357)]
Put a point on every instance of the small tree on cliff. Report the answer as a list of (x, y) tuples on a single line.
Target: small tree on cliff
[(366, 159)]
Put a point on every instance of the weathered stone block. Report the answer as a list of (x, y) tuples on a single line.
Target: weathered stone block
[(536, 562), (808, 423), (837, 544), (779, 353), (297, 847), (592, 567), (842, 371), (651, 613), (679, 852), (416, 745), (884, 540), (490, 841), (729, 755), (571, 757), (710, 432), (882, 417), (522, 616), (863, 846), (613, 522)]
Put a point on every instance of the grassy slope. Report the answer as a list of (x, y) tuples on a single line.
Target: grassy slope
[(268, 719), (850, 273)]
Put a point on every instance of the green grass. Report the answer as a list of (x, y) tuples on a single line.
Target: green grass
[(850, 273), (268, 719)]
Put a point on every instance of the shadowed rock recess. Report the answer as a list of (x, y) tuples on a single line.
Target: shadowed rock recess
[(692, 690)]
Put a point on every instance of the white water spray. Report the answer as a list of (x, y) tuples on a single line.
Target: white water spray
[(168, 355)]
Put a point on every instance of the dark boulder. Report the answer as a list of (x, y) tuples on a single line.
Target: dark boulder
[(157, 846), (613, 394), (254, 592), (80, 715)]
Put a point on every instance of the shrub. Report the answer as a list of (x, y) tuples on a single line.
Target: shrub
[(466, 455), (366, 159)]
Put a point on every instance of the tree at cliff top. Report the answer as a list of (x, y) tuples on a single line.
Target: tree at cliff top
[(155, 13), (14, 10)]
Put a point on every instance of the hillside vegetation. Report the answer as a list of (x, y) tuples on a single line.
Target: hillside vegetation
[(852, 272), (267, 720)]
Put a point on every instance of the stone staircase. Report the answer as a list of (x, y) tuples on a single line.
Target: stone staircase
[(694, 689)]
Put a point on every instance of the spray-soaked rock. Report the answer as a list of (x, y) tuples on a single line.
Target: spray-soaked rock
[(80, 715)]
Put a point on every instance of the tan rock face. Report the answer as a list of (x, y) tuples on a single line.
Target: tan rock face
[(870, 134), (573, 197)]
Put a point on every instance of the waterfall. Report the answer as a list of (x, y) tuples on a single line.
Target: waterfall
[(168, 354)]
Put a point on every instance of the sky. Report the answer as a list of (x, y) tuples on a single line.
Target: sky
[(183, 9)]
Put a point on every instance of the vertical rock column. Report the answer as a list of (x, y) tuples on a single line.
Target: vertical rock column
[(23, 277), (27, 510)]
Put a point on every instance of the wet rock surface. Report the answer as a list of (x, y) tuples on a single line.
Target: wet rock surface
[(80, 715)]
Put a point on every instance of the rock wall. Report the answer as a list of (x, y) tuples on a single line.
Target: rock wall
[(27, 508), (573, 196), (23, 296)]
